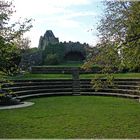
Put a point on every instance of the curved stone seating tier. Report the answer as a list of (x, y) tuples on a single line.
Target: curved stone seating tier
[(60, 70), (129, 88)]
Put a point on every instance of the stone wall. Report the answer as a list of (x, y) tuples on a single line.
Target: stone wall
[(47, 39)]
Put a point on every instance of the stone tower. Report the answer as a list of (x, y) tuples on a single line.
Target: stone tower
[(48, 38)]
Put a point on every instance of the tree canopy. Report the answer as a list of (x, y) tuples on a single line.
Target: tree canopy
[(120, 23), (119, 33), (10, 34)]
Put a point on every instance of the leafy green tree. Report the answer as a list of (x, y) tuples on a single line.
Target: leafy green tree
[(10, 57), (9, 48), (131, 58), (119, 33), (10, 31), (120, 28), (52, 59), (106, 56), (22, 43), (121, 25), (9, 34), (54, 53)]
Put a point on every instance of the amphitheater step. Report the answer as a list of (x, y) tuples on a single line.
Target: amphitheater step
[(35, 84), (43, 91), (137, 87), (20, 88), (124, 91), (115, 82), (109, 90), (111, 94), (35, 88), (22, 97)]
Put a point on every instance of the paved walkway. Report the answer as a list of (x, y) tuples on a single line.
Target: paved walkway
[(24, 104)]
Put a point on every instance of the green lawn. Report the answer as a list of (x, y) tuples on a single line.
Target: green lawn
[(42, 76), (69, 76), (73, 117), (117, 75)]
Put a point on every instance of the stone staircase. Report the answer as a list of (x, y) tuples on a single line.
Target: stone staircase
[(129, 88)]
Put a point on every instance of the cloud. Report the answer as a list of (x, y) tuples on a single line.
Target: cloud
[(68, 3), (49, 7), (58, 15)]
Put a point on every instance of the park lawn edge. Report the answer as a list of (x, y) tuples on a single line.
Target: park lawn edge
[(69, 76)]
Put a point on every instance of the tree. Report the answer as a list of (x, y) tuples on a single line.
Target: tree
[(119, 33), (131, 47), (9, 34), (133, 23), (120, 28), (9, 48), (10, 57), (11, 31), (52, 59), (119, 21), (22, 43), (106, 57)]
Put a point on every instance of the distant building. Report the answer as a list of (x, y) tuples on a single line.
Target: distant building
[(70, 51), (48, 38)]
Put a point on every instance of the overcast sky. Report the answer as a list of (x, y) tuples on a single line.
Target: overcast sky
[(70, 20)]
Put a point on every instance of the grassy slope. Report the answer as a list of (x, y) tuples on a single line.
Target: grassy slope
[(73, 117), (69, 76), (43, 76), (117, 75)]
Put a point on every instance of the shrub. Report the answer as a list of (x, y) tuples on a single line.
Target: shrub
[(52, 59)]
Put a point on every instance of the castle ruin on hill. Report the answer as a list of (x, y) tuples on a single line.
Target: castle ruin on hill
[(50, 48), (47, 39), (73, 51)]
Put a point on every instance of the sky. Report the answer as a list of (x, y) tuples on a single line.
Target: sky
[(70, 20)]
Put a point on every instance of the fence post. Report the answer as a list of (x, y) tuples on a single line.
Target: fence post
[(76, 81)]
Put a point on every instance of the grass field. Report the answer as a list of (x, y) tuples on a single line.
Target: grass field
[(116, 75), (42, 76), (69, 76), (73, 117)]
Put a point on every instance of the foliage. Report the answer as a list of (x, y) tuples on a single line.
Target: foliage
[(119, 33), (54, 53), (102, 81), (133, 24), (6, 94), (107, 58), (10, 57), (10, 53), (131, 58), (9, 34), (22, 43), (62, 49), (11, 31), (32, 50), (3, 82), (30, 57), (121, 26), (75, 47), (52, 59)]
